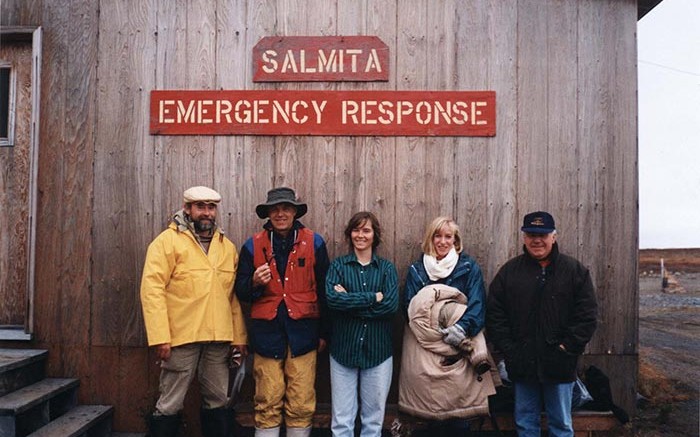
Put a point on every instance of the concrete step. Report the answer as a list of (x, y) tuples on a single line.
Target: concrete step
[(81, 421), (29, 408), (20, 368)]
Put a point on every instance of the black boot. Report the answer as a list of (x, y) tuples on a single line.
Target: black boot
[(217, 422), (164, 426)]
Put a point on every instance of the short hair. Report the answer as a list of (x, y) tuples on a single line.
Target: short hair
[(434, 226), (358, 219)]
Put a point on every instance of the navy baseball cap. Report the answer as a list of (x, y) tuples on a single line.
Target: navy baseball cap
[(538, 222)]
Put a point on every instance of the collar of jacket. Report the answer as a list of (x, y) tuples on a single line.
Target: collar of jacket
[(183, 223), (352, 258)]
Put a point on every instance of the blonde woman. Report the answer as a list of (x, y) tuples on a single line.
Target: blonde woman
[(436, 383)]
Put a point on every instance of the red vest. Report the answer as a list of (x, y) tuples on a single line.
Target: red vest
[(299, 287)]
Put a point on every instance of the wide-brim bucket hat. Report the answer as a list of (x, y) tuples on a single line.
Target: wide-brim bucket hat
[(280, 195)]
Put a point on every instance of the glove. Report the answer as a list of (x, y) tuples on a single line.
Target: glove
[(466, 346), (453, 335)]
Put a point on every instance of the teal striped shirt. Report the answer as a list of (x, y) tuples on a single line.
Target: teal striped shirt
[(361, 327)]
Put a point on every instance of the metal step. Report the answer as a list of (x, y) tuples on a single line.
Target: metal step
[(20, 368), (29, 408), (81, 421)]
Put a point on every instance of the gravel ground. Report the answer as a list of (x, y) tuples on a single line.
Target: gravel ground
[(669, 353)]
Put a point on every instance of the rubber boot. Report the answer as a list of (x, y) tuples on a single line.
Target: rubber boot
[(298, 432), (164, 426), (267, 432), (217, 422)]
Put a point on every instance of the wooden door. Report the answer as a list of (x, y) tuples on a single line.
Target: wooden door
[(18, 88)]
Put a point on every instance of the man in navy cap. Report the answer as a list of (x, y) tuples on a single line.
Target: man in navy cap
[(282, 272), (541, 313)]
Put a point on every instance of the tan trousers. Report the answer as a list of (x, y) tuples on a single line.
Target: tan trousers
[(297, 398), (209, 361)]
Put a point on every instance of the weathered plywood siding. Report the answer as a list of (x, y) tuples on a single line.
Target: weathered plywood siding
[(65, 185), (565, 77)]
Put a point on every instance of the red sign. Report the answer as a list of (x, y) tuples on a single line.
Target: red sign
[(320, 58), (315, 112)]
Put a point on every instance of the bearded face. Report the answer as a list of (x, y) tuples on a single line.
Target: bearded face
[(203, 216)]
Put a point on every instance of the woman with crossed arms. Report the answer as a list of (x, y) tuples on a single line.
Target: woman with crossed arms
[(362, 296)]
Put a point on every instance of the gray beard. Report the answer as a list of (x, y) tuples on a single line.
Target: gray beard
[(200, 226)]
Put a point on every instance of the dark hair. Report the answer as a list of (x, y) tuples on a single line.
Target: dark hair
[(360, 218)]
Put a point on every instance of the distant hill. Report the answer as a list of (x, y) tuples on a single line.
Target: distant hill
[(675, 260)]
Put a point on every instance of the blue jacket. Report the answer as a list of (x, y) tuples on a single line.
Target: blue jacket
[(466, 277), (270, 338)]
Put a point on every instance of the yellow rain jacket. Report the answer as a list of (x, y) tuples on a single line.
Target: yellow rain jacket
[(186, 294)]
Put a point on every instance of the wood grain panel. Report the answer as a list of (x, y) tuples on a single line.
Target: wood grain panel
[(50, 262), (533, 87), (623, 220), (562, 166), (259, 151), (501, 221), (440, 162), (472, 154), (617, 236), (412, 60), (231, 177), (124, 168), (607, 192), (66, 175), (349, 181), (185, 59)]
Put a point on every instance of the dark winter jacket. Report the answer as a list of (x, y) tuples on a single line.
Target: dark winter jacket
[(531, 310)]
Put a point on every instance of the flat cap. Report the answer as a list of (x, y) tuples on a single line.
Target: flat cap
[(201, 194)]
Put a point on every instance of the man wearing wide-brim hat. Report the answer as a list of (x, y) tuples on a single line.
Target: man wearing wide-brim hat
[(192, 317), (282, 272)]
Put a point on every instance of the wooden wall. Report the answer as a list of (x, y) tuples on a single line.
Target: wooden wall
[(565, 77)]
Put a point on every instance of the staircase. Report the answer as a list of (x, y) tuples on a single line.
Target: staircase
[(32, 405)]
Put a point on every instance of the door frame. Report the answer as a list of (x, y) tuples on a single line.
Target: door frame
[(29, 34)]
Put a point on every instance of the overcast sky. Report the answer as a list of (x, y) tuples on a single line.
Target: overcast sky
[(669, 125)]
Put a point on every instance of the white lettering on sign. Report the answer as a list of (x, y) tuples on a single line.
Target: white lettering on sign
[(362, 112), (243, 111), (321, 61), (424, 112)]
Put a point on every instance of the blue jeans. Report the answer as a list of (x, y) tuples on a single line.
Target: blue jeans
[(529, 398), (373, 386)]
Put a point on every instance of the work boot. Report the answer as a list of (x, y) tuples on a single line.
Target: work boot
[(164, 426), (217, 422), (267, 432), (298, 432)]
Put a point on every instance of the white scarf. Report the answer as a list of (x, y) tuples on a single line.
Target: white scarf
[(442, 268)]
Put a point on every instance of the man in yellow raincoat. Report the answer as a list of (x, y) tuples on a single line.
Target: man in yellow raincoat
[(193, 319)]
